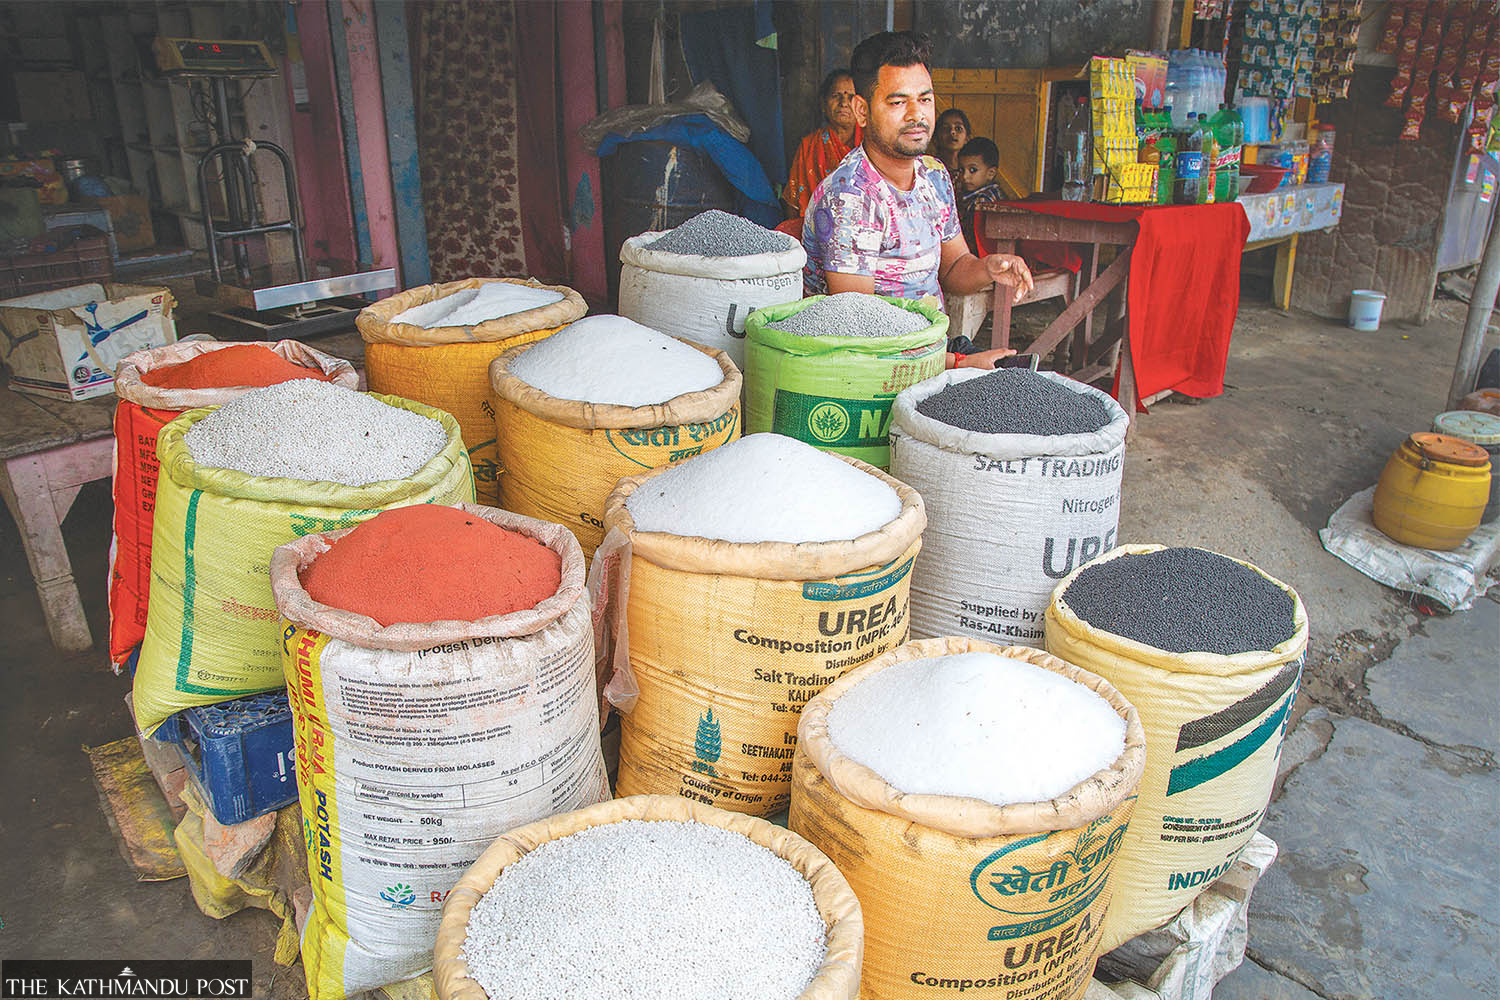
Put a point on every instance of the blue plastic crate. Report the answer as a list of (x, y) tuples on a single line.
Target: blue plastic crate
[(241, 754)]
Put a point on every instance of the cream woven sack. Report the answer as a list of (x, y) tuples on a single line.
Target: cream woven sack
[(418, 744), (836, 979), (705, 299), (962, 897), (1008, 515), (1214, 728)]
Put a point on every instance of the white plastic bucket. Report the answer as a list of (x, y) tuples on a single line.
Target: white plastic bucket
[(1364, 308)]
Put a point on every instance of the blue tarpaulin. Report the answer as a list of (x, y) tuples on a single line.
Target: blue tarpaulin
[(735, 49)]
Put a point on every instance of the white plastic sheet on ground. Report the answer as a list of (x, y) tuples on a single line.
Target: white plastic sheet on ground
[(1454, 578)]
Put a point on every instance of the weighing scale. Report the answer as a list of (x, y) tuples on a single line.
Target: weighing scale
[(260, 303)]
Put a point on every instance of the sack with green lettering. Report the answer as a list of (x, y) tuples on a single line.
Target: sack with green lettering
[(212, 628), (835, 393)]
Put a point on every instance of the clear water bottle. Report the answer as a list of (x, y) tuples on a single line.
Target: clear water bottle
[(1073, 151), (1188, 172)]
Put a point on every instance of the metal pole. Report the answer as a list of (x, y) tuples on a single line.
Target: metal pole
[(1481, 305), (1161, 25)]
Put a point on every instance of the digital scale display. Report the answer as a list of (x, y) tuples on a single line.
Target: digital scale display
[(213, 56)]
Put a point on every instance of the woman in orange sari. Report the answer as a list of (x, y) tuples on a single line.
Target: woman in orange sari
[(823, 149)]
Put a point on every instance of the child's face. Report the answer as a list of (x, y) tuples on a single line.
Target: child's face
[(973, 174)]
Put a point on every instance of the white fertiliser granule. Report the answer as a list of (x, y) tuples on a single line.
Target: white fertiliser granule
[(312, 430), (978, 725), (642, 910), (472, 306), (764, 488), (610, 359)]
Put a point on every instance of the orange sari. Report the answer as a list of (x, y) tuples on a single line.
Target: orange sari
[(819, 153)]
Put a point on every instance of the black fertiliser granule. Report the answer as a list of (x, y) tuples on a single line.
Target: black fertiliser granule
[(1183, 600), (1015, 401), (719, 234)]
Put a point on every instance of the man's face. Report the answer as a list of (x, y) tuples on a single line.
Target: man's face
[(973, 174), (839, 108), (898, 120)]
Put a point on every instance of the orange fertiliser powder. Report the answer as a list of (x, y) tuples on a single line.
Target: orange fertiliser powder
[(430, 563), (243, 364)]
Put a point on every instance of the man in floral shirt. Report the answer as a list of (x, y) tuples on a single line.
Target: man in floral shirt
[(884, 221)]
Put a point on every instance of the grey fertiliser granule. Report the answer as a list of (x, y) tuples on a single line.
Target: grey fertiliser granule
[(1183, 600), (642, 910), (1015, 401), (852, 314), (315, 431), (719, 234)]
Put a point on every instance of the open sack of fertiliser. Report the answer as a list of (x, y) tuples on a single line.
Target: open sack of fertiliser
[(601, 399), (976, 797), (701, 280), (154, 387), (748, 579), (650, 896), (435, 343), (1021, 474), (238, 480), (420, 741), (1210, 651), (826, 370)]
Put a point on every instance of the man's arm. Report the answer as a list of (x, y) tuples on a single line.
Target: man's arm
[(961, 272), (838, 282)]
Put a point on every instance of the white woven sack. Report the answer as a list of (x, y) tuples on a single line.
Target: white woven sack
[(705, 299), (1008, 514)]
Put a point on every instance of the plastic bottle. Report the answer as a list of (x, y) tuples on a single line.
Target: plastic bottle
[(1206, 180), (1166, 147), (1320, 160), (1229, 130), (1073, 151), (1188, 166)]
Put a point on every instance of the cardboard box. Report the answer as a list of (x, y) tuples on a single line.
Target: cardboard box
[(65, 343), (130, 218)]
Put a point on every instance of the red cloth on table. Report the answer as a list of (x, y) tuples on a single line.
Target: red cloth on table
[(1184, 288)]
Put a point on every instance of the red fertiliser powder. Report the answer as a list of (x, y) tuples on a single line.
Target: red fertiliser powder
[(431, 563), (243, 364)]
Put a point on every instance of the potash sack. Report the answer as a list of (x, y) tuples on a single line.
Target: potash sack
[(725, 642), (447, 366), (418, 744), (1008, 514), (705, 299), (144, 409), (212, 629), (836, 392), (1214, 728), (562, 457), (962, 896)]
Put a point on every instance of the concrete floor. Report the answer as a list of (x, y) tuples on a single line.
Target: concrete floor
[(1386, 817)]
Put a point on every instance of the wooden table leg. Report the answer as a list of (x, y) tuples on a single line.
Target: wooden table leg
[(1281, 281), (1129, 396)]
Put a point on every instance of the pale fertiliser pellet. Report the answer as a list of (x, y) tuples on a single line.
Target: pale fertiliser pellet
[(1015, 401), (719, 234), (312, 430), (852, 314), (472, 306), (1183, 600), (610, 359), (978, 725), (641, 910), (764, 488)]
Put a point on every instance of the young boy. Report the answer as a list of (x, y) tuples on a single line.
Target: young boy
[(978, 165)]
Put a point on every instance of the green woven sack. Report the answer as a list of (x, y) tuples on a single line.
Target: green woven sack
[(835, 393)]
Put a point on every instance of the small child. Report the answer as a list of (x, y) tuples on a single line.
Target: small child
[(978, 166)]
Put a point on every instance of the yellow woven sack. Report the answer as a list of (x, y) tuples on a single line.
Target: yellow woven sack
[(836, 979), (724, 642), (559, 458), (962, 897), (212, 629), (1214, 727), (448, 366)]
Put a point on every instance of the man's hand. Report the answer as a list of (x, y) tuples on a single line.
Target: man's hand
[(1008, 269), (985, 359)]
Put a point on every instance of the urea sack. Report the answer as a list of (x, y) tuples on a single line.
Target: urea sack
[(961, 896), (560, 458), (835, 393), (705, 299), (1008, 515), (722, 643), (836, 979), (1214, 727), (448, 366), (418, 744), (212, 630), (143, 410)]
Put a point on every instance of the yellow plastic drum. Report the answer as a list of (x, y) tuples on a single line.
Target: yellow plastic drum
[(1433, 491)]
